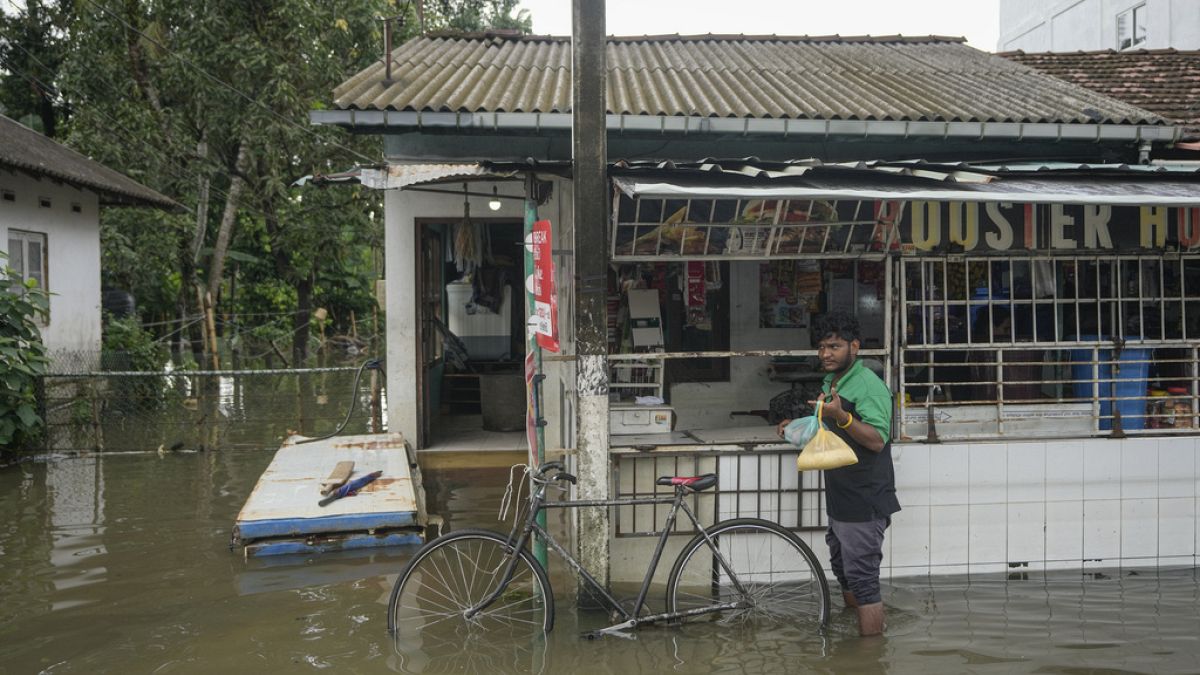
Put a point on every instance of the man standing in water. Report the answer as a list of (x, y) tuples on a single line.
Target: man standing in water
[(859, 499)]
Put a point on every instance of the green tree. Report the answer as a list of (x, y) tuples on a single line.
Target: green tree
[(32, 45), (209, 104), (476, 15), (22, 358)]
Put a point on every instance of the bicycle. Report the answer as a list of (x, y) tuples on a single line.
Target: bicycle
[(476, 580)]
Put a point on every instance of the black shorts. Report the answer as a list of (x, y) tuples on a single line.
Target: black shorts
[(855, 553)]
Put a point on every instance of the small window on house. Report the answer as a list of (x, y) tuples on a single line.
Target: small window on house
[(76, 207), (27, 256), (8, 196), (44, 202), (1131, 27)]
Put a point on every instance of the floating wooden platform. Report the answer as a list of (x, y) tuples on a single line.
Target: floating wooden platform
[(282, 514)]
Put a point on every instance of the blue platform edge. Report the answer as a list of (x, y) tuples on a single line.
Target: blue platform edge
[(351, 522), (342, 543)]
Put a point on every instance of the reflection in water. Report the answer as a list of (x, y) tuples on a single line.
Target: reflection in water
[(121, 564), (76, 501)]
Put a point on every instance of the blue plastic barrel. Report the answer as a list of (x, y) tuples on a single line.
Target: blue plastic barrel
[(1130, 381)]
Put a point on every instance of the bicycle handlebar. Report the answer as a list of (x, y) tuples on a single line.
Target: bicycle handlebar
[(541, 470), (561, 475)]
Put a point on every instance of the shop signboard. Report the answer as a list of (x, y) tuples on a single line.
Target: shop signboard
[(999, 226), (544, 321), (765, 228)]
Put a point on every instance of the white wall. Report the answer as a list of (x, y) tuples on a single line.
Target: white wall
[(987, 508), (705, 405), (1089, 25), (401, 210), (1076, 504), (73, 253)]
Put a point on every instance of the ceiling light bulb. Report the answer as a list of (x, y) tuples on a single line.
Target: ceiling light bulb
[(494, 202)]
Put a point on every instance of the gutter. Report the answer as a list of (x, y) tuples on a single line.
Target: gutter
[(678, 125)]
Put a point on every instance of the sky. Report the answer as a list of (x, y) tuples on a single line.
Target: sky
[(976, 20)]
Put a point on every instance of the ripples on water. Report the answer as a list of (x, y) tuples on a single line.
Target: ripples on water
[(121, 564)]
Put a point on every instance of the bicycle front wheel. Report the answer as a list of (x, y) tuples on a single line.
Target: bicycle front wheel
[(780, 579), (457, 571)]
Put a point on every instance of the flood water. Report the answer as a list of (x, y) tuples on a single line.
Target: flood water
[(121, 563)]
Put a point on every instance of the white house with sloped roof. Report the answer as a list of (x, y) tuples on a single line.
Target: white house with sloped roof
[(50, 201)]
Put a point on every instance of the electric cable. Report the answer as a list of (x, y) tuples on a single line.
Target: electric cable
[(373, 364)]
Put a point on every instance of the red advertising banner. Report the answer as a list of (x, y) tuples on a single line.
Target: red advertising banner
[(545, 302)]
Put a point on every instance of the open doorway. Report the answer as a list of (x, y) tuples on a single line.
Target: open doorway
[(472, 342)]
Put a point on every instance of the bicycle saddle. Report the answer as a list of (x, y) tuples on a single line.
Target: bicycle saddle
[(693, 483)]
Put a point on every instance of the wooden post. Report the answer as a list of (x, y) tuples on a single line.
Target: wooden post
[(97, 426), (376, 403), (374, 325), (203, 331), (211, 321), (589, 160), (320, 315), (353, 326)]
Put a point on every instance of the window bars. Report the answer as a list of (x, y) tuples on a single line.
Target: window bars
[(1048, 346), (759, 484), (647, 229)]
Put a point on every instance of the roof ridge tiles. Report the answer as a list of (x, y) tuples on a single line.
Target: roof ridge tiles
[(1101, 52), (696, 37)]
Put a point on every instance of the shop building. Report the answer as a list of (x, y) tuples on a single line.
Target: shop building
[(1027, 276)]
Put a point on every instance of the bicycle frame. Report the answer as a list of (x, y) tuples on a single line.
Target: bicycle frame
[(630, 619)]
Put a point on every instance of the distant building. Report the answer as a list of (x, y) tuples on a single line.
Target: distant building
[(1090, 25), (50, 199), (1163, 81)]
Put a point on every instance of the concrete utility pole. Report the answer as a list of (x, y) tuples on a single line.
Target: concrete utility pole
[(589, 155)]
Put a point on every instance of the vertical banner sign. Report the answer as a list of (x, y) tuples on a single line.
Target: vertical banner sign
[(545, 302)]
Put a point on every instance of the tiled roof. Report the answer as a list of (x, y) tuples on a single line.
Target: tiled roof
[(24, 149), (1163, 81), (824, 78)]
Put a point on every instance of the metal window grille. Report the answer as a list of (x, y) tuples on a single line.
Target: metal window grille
[(646, 229), (987, 342), (760, 484)]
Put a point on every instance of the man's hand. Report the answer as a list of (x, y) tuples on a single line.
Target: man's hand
[(832, 410), (782, 426)]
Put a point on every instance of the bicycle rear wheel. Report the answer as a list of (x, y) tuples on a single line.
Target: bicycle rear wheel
[(453, 573), (781, 579)]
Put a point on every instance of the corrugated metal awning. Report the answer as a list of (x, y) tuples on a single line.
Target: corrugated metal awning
[(1051, 190), (400, 176)]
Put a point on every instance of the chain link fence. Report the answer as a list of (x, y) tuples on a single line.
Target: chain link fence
[(89, 403)]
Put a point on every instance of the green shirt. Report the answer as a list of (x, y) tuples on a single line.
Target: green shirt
[(871, 398)]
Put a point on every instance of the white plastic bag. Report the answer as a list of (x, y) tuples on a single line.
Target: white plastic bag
[(801, 430)]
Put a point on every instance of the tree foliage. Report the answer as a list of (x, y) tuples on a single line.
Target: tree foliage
[(476, 15), (22, 358), (32, 46)]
